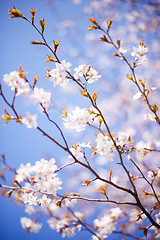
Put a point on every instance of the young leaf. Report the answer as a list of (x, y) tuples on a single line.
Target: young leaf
[(15, 13), (43, 24), (37, 43), (33, 12), (50, 59), (104, 39)]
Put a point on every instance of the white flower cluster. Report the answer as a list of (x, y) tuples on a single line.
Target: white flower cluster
[(40, 96), (58, 75), (30, 120), (77, 150), (16, 83), (123, 139), (140, 53), (40, 178), (30, 225), (77, 119), (107, 224), (64, 225), (88, 72), (105, 146)]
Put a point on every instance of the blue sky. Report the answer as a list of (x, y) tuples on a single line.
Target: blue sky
[(19, 144)]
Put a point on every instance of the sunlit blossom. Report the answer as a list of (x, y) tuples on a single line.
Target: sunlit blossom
[(105, 146), (77, 119), (58, 75), (140, 54), (90, 74), (30, 225), (16, 83), (30, 120), (40, 96)]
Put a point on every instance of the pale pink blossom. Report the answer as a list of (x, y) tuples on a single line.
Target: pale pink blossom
[(30, 225), (29, 198), (90, 74), (44, 201), (151, 175), (24, 172), (30, 120), (76, 151), (16, 83), (105, 146), (77, 119), (139, 53), (40, 96), (58, 75)]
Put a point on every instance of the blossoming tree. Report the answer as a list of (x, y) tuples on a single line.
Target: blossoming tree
[(123, 199)]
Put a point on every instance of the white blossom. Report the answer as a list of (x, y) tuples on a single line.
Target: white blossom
[(44, 167), (98, 237), (52, 223), (40, 178), (40, 96), (76, 150), (115, 212), (62, 226), (139, 53), (122, 50), (46, 179), (30, 225), (150, 174), (77, 119), (107, 224), (149, 116), (123, 139), (104, 146), (64, 65), (16, 83), (158, 172), (24, 172), (44, 201), (29, 209), (88, 72), (137, 96), (29, 198), (140, 146), (69, 232), (30, 120), (84, 145), (80, 71), (58, 75)]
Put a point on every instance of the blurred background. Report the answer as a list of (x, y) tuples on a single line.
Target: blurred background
[(68, 20)]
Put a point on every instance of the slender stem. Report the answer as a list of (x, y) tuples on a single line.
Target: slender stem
[(146, 180), (83, 224), (52, 139), (134, 76), (97, 200), (10, 105), (63, 137), (127, 234), (66, 165)]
